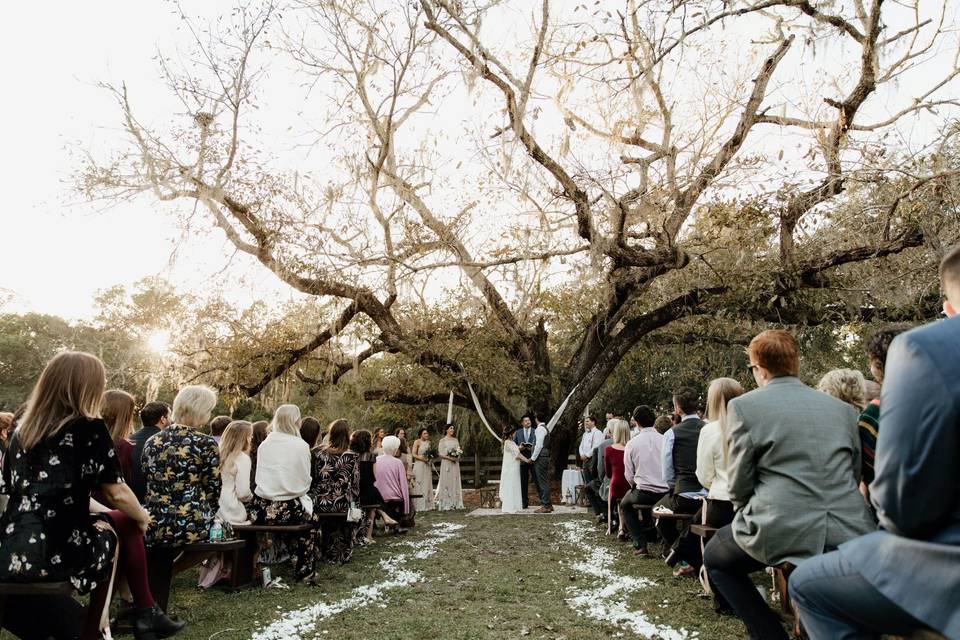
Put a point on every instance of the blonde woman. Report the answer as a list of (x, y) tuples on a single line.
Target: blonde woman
[(283, 482), (613, 468), (118, 410), (847, 385), (235, 472), (52, 529)]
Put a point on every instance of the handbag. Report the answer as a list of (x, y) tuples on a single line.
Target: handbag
[(354, 513)]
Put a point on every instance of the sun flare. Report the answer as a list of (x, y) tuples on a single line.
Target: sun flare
[(159, 342)]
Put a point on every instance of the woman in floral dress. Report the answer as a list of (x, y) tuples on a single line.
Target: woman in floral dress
[(52, 530), (335, 486), (449, 491)]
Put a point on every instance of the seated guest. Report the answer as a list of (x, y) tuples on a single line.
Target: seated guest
[(663, 424), (310, 431), (335, 487), (392, 480), (846, 385), (52, 529), (613, 468), (182, 468), (118, 410), (218, 425), (260, 430), (642, 460), (283, 480), (6, 422), (871, 389), (876, 347), (154, 417), (680, 471), (361, 443), (792, 467), (903, 577), (598, 489), (235, 472)]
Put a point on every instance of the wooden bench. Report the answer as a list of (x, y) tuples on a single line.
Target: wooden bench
[(160, 564), (31, 589), (663, 516), (704, 531)]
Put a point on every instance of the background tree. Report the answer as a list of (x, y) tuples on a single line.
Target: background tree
[(676, 161)]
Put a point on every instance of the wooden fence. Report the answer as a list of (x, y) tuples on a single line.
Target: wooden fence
[(479, 470)]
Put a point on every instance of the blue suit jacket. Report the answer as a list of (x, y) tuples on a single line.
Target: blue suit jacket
[(532, 441), (915, 559)]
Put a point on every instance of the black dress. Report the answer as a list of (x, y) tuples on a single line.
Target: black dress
[(369, 494), (47, 533)]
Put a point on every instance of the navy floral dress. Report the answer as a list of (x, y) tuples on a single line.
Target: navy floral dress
[(182, 470), (335, 484), (47, 532)]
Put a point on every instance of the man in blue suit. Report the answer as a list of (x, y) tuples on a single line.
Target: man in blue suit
[(905, 576), (526, 439)]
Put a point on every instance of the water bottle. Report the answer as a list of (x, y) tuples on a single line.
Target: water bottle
[(216, 532)]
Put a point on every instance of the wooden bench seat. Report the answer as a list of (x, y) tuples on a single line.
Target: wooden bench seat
[(702, 530), (36, 588), (160, 564)]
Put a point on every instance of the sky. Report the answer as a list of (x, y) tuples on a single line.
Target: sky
[(60, 249)]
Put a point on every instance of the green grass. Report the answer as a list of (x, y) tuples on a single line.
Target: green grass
[(500, 577)]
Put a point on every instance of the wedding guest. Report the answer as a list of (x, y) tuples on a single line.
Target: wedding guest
[(392, 481), (449, 491), (663, 424), (642, 468), (590, 440), (404, 454), (846, 385), (118, 410), (235, 468), (310, 431), (283, 480), (598, 489), (260, 430), (378, 441), (680, 471), (871, 390), (422, 472), (59, 454), (335, 488), (868, 426), (792, 466), (361, 443), (218, 425), (182, 469), (154, 418), (6, 423), (903, 577), (614, 470)]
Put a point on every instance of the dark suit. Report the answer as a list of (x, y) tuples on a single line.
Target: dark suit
[(905, 575), (526, 470), (138, 483)]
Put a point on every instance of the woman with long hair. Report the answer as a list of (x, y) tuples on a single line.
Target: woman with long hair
[(235, 472), (335, 488), (118, 411), (422, 472), (361, 443), (52, 529), (614, 469)]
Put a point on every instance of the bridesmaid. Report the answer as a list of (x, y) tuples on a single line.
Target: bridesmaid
[(449, 492), (422, 472)]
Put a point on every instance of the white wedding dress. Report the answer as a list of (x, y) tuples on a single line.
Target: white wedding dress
[(510, 498)]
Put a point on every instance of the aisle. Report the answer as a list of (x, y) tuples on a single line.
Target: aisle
[(467, 578)]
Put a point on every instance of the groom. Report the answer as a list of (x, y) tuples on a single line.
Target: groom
[(526, 439), (541, 465)]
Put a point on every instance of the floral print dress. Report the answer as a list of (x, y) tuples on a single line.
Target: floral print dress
[(335, 484), (47, 533), (182, 470)]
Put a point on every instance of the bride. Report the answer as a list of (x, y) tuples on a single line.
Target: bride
[(510, 497)]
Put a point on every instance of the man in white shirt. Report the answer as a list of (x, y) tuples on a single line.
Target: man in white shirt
[(643, 469), (592, 437), (541, 466)]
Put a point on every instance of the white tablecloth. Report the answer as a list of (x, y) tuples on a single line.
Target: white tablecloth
[(571, 479)]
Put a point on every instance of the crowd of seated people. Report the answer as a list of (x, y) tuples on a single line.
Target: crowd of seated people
[(90, 499), (849, 489)]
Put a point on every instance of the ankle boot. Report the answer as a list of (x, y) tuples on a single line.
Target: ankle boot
[(152, 623)]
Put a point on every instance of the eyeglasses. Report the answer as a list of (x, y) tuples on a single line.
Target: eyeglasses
[(752, 367)]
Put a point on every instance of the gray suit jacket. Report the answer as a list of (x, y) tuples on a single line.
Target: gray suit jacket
[(915, 559), (794, 467)]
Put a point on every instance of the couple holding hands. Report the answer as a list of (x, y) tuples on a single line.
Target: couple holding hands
[(526, 452)]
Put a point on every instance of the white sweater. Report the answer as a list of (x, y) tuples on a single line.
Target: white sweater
[(711, 471), (235, 490), (283, 469)]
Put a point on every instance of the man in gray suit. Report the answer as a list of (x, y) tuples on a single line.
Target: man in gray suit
[(907, 575), (793, 468)]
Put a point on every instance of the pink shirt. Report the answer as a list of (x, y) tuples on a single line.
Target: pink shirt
[(642, 461), (391, 480)]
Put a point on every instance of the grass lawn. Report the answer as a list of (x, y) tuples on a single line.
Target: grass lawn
[(497, 577)]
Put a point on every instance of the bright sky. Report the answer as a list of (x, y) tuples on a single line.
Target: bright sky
[(59, 249)]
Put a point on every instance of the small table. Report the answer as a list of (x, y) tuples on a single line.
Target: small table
[(571, 479)]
